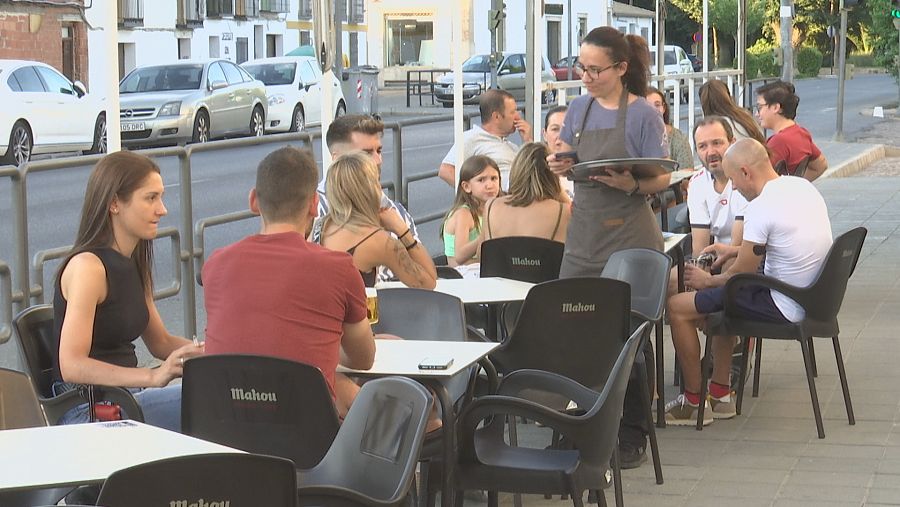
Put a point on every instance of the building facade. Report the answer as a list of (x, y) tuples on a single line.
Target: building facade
[(49, 31)]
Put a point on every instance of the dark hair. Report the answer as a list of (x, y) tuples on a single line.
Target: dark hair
[(116, 176), (625, 48), (715, 100), (713, 120), (341, 129), (285, 182), (782, 93), (530, 177), (551, 112), (493, 101), (472, 167), (665, 115)]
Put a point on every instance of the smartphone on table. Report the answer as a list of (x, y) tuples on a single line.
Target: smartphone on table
[(436, 363)]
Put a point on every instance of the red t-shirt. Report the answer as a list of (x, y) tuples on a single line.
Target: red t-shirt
[(791, 145), (280, 295)]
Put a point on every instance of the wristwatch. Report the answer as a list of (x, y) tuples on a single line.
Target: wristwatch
[(637, 186)]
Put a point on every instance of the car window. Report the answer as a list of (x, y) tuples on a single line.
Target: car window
[(669, 56), (307, 74), (232, 73), (56, 82), (215, 74), (515, 64), (162, 78), (28, 80), (246, 75), (477, 63)]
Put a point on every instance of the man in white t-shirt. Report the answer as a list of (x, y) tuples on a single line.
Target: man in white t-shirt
[(795, 251), (499, 119)]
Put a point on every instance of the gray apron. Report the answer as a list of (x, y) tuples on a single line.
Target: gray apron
[(605, 219)]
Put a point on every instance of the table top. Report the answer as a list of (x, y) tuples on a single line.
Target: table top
[(402, 357), (681, 175), (672, 240), (477, 290), (88, 453)]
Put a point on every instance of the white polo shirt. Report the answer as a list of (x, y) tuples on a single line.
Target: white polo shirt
[(713, 210), (790, 218), (481, 142)]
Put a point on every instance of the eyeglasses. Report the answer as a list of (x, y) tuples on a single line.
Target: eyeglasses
[(759, 106), (592, 71)]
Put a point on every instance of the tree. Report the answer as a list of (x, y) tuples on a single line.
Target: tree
[(723, 17)]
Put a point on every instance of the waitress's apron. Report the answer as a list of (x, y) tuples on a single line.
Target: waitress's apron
[(605, 219)]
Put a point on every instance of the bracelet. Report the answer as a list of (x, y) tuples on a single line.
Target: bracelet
[(637, 186), (412, 245), (404, 234)]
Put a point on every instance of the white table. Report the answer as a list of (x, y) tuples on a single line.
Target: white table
[(76, 454), (680, 175), (477, 290), (402, 358), (672, 240)]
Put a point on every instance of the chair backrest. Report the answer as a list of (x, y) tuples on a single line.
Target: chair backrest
[(647, 271), (34, 336), (827, 291), (800, 171), (235, 480), (377, 448), (259, 404), (522, 258), (448, 273), (418, 314), (781, 167), (19, 406), (573, 327)]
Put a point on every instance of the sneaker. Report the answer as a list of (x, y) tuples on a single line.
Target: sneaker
[(632, 455), (680, 412), (722, 408)]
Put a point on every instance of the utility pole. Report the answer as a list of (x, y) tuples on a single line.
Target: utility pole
[(571, 63), (340, 12), (842, 75), (496, 23), (787, 48)]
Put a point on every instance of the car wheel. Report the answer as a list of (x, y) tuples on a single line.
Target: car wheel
[(20, 145), (341, 110), (548, 97), (257, 122), (201, 128), (298, 120), (100, 140)]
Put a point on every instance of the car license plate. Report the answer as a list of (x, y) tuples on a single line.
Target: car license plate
[(133, 126)]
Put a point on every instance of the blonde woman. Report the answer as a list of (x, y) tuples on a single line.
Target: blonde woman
[(535, 205), (356, 224)]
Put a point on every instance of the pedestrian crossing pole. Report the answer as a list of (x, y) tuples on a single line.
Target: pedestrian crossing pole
[(842, 74)]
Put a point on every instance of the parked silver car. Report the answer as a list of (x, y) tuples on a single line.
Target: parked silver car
[(477, 78), (190, 101)]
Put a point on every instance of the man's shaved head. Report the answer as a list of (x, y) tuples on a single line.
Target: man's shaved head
[(747, 163)]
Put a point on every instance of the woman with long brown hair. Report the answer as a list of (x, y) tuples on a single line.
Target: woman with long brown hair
[(715, 100)]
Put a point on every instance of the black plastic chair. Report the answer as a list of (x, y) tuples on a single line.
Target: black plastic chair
[(821, 301), (372, 462), (800, 171), (34, 336), (204, 479), (486, 462), (19, 408), (647, 272), (259, 404)]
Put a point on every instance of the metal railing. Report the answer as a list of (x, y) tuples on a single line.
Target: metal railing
[(6, 308)]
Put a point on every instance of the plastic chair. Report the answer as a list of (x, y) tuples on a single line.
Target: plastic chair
[(37, 346), (486, 462), (647, 272), (372, 462), (204, 479), (524, 258), (19, 408), (821, 301), (800, 171), (259, 404)]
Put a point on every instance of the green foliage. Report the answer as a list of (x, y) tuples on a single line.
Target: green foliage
[(862, 59), (809, 61), (884, 35), (761, 61), (723, 16)]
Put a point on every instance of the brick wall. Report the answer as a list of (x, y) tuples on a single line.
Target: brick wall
[(18, 42)]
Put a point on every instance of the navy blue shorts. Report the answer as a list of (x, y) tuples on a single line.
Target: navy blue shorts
[(754, 302)]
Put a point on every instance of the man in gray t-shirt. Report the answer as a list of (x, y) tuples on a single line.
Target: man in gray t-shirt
[(499, 119)]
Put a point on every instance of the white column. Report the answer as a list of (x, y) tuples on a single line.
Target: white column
[(458, 51), (111, 77)]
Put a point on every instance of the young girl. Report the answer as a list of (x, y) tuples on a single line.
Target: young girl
[(479, 180)]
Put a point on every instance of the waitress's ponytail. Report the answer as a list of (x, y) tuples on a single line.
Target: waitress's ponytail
[(638, 73)]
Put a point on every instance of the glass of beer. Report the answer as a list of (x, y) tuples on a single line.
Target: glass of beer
[(372, 304)]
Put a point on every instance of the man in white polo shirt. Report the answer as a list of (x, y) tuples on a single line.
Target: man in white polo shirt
[(499, 119), (794, 253)]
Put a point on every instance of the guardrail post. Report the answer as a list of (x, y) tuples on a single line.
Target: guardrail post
[(399, 191), (20, 237), (187, 248)]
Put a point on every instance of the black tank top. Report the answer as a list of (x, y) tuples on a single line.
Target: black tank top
[(119, 320)]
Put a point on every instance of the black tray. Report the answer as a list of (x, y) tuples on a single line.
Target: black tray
[(640, 167)]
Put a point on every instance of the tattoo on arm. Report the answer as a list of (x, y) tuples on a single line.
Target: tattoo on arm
[(407, 264)]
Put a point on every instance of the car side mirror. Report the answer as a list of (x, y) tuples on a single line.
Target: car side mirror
[(503, 72), (79, 88), (218, 85)]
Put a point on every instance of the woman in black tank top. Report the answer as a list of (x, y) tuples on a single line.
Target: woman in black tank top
[(375, 238), (103, 294)]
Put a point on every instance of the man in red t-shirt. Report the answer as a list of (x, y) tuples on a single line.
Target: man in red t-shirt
[(276, 294), (776, 108)]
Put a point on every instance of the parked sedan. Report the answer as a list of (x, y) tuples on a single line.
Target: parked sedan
[(477, 78), (294, 87), (43, 112), (190, 101), (561, 69)]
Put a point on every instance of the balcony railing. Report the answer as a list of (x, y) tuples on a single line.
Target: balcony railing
[(246, 8), (190, 13), (275, 5), (219, 8), (131, 13)]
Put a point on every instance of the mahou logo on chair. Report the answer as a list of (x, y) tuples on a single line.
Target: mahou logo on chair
[(578, 307), (199, 503)]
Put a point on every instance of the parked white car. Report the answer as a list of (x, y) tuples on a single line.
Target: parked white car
[(294, 89), (477, 78), (675, 61), (43, 112)]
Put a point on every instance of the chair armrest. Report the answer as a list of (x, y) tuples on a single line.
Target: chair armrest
[(799, 294), (473, 332), (519, 381), (57, 406)]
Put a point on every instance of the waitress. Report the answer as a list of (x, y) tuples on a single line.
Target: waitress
[(613, 120), (611, 213)]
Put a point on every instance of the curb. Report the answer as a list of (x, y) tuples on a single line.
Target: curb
[(861, 161)]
